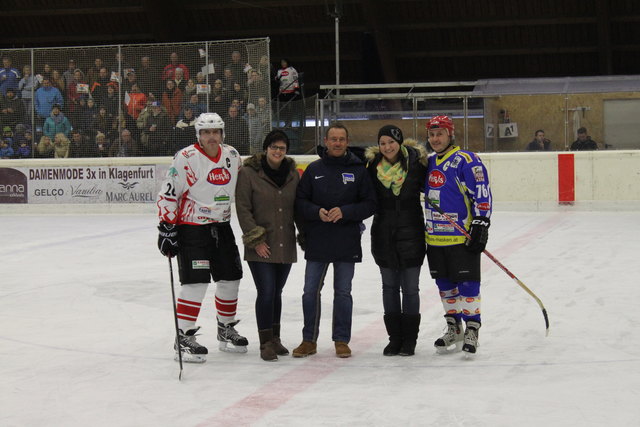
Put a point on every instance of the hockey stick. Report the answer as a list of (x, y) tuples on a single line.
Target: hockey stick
[(175, 318), (498, 263)]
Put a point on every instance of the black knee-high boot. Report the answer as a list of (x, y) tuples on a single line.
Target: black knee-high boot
[(410, 328)]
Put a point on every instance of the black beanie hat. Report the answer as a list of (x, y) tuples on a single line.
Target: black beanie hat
[(273, 136), (391, 131)]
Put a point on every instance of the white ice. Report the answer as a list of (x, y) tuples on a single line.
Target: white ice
[(87, 334)]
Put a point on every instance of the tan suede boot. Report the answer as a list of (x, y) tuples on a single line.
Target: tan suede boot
[(342, 349), (307, 348)]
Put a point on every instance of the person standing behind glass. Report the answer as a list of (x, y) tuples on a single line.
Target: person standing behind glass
[(398, 169), (265, 197)]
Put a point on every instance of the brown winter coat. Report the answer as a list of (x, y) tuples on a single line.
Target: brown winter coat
[(266, 212)]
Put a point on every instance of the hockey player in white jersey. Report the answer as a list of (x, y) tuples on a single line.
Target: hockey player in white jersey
[(194, 205)]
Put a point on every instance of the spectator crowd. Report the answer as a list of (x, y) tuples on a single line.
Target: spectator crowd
[(129, 109)]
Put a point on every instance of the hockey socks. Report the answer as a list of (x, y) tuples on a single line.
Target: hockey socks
[(189, 304)]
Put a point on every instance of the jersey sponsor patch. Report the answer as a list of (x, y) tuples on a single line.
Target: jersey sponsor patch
[(478, 173), (437, 179), (200, 264), (348, 177), (219, 176), (456, 162), (484, 206), (437, 216), (443, 228)]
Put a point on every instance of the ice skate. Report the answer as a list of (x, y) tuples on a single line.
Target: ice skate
[(230, 340), (453, 338), (192, 352), (471, 340)]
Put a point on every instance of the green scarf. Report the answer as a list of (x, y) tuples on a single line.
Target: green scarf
[(392, 176)]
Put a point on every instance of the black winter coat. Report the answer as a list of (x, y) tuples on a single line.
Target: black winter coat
[(335, 182), (397, 232)]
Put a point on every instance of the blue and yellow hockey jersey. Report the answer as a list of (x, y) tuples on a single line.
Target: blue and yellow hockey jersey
[(459, 184)]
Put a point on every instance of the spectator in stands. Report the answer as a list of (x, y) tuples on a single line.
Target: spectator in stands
[(76, 89), (12, 109), (120, 64), (23, 150), (94, 71), (228, 80), (87, 115), (190, 88), (102, 122), (172, 101), (61, 146), (255, 127), (257, 87), (539, 143), (179, 79), (155, 131), (45, 147), (9, 76), (136, 102), (56, 123), (584, 141), (99, 85), (264, 114), (268, 73), (102, 145), (193, 103), (46, 71), (76, 143), (130, 80), (241, 95), (236, 131), (111, 100), (27, 86), (148, 77), (46, 97), (69, 74), (6, 151), (288, 89), (168, 73), (237, 67), (217, 98), (124, 146), (58, 82), (185, 132)]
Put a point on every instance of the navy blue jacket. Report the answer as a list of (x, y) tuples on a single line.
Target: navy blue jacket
[(335, 182)]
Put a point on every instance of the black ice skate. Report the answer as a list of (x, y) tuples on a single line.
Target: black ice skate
[(471, 339), (452, 340), (192, 352), (227, 334)]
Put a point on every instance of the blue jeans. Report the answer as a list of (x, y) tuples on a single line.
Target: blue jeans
[(269, 279), (342, 302), (393, 281)]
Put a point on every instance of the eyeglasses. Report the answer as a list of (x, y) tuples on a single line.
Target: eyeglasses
[(282, 148)]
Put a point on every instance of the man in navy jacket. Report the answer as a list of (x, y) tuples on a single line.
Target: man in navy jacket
[(334, 196)]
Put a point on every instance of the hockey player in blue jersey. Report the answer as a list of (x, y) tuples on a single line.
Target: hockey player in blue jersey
[(458, 185)]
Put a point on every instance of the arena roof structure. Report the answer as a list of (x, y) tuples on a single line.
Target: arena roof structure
[(391, 41)]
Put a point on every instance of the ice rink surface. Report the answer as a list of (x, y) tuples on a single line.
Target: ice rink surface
[(87, 335)]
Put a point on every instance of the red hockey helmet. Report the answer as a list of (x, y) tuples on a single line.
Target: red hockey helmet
[(441, 122)]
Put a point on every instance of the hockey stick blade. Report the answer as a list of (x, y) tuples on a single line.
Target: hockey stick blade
[(498, 263), (175, 318)]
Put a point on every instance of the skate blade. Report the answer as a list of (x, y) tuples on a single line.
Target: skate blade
[(468, 356), (230, 348), (191, 358), (453, 348)]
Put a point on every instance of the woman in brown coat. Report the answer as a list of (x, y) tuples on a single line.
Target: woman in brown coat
[(265, 196)]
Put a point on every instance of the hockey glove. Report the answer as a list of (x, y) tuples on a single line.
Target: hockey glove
[(168, 239), (479, 232)]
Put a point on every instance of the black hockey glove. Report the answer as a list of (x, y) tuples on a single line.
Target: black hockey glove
[(479, 232), (168, 239)]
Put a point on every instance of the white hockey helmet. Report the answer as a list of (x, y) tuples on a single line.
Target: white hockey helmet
[(209, 121)]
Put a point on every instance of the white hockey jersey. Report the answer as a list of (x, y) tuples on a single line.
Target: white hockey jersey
[(199, 189)]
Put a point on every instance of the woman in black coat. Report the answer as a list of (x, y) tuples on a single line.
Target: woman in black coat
[(398, 170)]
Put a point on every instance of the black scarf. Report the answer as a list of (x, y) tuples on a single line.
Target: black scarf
[(278, 176)]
